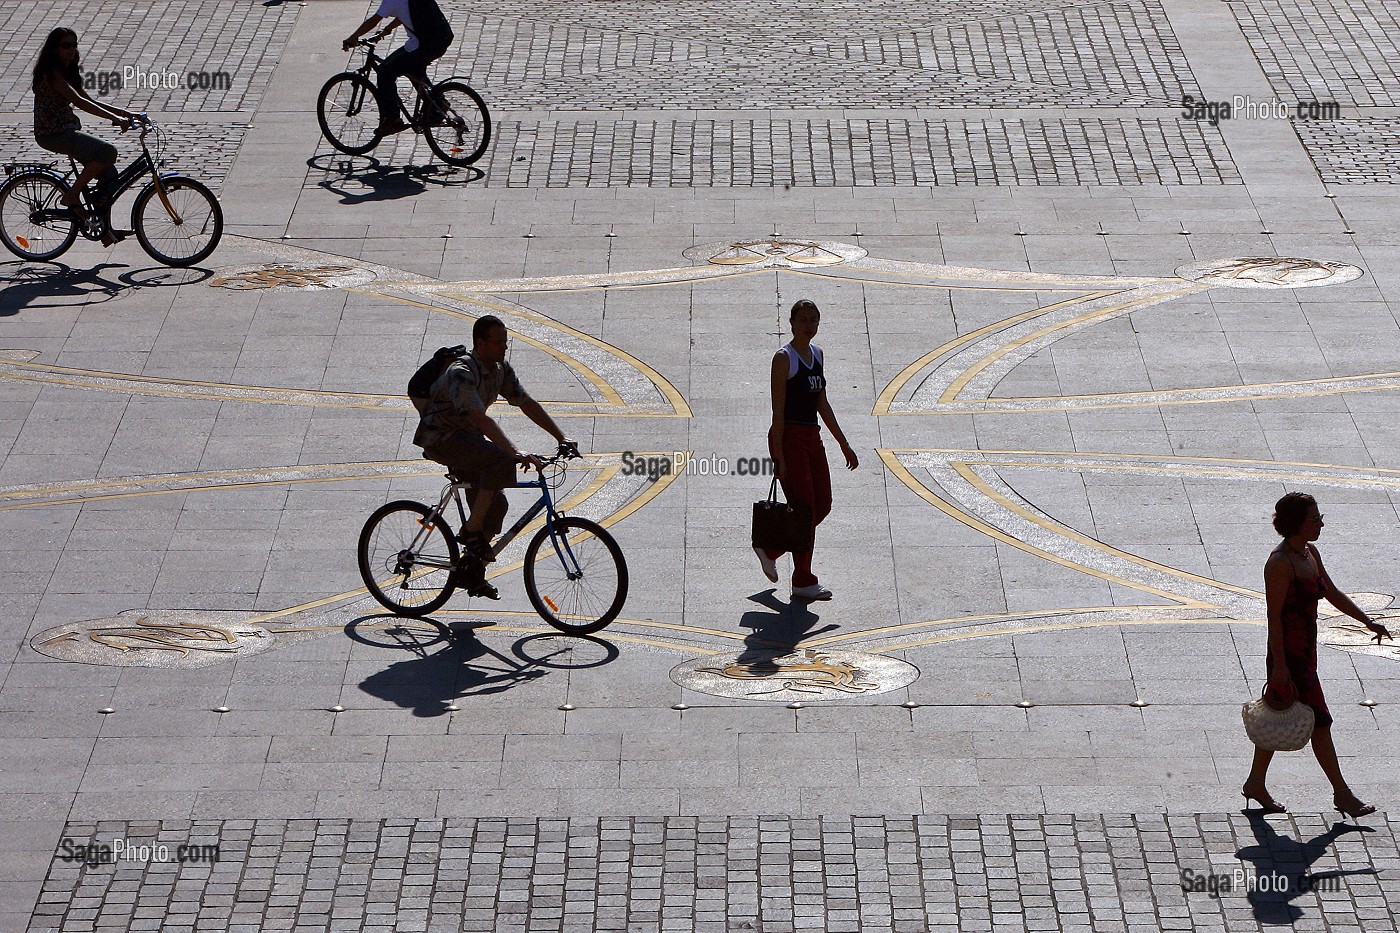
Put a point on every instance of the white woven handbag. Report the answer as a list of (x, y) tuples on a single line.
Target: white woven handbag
[(1285, 730)]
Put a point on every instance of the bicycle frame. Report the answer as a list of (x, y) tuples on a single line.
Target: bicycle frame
[(369, 71), (126, 180), (545, 504)]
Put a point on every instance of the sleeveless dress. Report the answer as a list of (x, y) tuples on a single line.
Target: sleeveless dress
[(1299, 618)]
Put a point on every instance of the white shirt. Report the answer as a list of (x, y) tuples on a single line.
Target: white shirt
[(398, 9)]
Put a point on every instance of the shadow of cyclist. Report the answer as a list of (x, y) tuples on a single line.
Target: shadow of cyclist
[(381, 182), (464, 666), (57, 285), (1280, 857)]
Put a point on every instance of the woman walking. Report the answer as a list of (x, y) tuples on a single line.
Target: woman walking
[(58, 88), (798, 383), (1294, 581)]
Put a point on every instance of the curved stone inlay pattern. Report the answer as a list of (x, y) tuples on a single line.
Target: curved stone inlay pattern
[(1269, 272), (168, 638), (788, 674)]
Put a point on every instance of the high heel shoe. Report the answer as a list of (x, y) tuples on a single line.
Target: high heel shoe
[(1356, 811), (1267, 805)]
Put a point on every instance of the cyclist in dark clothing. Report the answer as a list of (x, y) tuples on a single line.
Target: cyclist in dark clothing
[(429, 37), (58, 88)]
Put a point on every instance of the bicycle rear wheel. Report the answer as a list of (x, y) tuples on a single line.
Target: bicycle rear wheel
[(349, 113), (579, 585), (190, 234), (33, 224), (458, 125), (405, 562)]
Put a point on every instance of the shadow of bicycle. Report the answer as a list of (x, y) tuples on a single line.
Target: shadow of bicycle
[(447, 664), (26, 284), (362, 179)]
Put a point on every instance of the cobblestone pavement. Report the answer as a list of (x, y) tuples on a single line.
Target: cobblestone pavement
[(836, 154), (236, 45), (771, 874), (1080, 340)]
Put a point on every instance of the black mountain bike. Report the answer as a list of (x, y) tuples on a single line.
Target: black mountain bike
[(450, 114), (177, 220)]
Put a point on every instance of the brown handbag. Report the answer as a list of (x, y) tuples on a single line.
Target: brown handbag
[(782, 526)]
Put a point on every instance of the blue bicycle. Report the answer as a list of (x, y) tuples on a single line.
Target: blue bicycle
[(575, 574)]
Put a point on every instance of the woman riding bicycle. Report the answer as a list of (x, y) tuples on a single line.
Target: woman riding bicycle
[(58, 87)]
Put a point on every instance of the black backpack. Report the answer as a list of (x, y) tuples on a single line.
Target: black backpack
[(420, 387), (430, 27)]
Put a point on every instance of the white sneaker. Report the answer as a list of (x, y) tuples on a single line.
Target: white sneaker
[(769, 565), (811, 593)]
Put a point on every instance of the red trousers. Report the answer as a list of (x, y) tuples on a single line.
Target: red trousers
[(808, 481)]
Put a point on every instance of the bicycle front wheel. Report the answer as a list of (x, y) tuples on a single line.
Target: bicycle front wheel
[(181, 228), (456, 122), (579, 584), (33, 224), (349, 113), (406, 562)]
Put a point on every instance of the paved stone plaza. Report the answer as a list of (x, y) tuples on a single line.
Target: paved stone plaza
[(1080, 339)]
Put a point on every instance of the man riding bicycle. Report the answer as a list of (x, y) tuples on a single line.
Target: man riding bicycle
[(456, 432), (429, 36)]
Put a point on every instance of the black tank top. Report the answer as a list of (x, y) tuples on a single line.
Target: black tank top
[(804, 386)]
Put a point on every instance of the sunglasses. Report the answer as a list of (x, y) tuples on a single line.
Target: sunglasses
[(68, 45)]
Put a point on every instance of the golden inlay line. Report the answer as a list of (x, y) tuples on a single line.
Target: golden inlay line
[(128, 384), (971, 491), (1057, 542), (1021, 347), (1064, 627), (973, 277), (570, 283), (883, 404), (37, 495), (1308, 388), (625, 373)]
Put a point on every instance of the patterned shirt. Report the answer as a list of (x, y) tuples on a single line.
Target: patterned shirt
[(467, 386), (52, 114)]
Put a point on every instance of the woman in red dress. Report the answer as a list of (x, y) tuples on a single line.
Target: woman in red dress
[(1294, 581)]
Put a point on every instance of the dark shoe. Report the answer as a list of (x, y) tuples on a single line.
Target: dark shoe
[(484, 590), (470, 575), (389, 129), (1268, 805), (113, 237), (1351, 806), (478, 544)]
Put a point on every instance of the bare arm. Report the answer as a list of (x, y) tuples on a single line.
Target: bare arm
[(79, 98), (1343, 602), (778, 384), (536, 413), (829, 416), (365, 27)]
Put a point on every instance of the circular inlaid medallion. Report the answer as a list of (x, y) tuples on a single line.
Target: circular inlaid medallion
[(307, 275), (774, 253), (174, 638), (792, 674), (1269, 272)]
